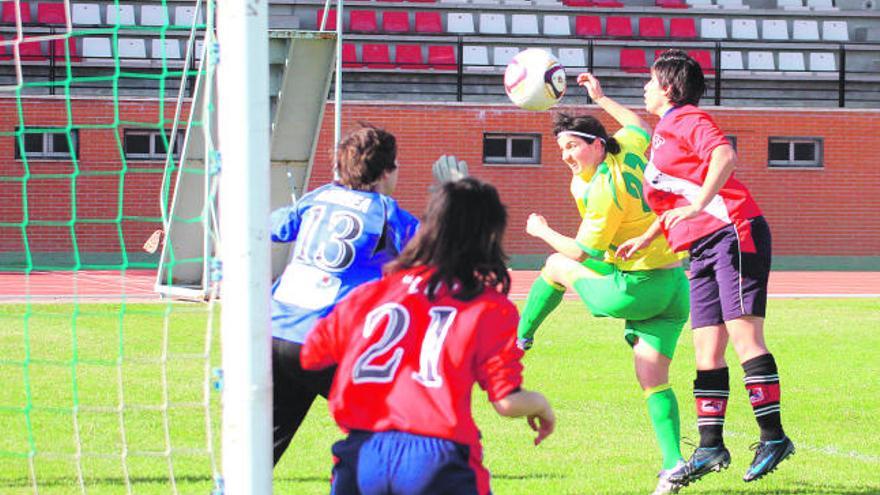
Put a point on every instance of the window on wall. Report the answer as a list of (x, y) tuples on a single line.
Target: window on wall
[(732, 140), (149, 145), (48, 144), (795, 152), (511, 149)]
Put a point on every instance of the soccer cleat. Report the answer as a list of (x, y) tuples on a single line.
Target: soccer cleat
[(703, 461), (524, 344), (768, 455), (664, 485)]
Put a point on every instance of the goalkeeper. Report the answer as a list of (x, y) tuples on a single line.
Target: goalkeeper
[(649, 291)]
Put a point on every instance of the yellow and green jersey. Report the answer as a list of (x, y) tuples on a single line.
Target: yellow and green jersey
[(613, 208)]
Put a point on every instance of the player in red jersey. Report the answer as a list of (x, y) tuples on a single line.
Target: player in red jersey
[(410, 347), (700, 206)]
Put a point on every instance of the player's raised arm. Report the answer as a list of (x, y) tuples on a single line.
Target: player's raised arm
[(623, 115)]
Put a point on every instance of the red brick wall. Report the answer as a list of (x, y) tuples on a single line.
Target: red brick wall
[(827, 212)]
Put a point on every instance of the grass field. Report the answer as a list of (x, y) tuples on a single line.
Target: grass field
[(828, 353)]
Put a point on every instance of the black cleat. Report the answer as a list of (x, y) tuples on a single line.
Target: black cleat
[(768, 455), (703, 461)]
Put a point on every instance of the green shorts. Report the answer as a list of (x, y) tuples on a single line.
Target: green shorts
[(654, 303)]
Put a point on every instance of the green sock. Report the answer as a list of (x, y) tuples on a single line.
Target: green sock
[(663, 408), (543, 299)]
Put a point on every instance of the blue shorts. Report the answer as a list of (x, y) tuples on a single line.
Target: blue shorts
[(393, 462)]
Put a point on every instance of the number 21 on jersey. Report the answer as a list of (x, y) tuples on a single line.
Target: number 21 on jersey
[(366, 368)]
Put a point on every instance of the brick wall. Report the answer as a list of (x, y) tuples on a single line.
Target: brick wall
[(827, 212)]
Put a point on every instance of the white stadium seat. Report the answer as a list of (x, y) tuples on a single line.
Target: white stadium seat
[(774, 29), (803, 30), (502, 55), (556, 25), (835, 31), (761, 61), (731, 60), (96, 47), (153, 15), (85, 13), (524, 24), (172, 48), (744, 29), (475, 55), (460, 22), (713, 28), (493, 24), (132, 48), (822, 62), (791, 62), (123, 13)]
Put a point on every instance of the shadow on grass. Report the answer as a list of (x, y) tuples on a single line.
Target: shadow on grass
[(520, 477), (799, 488)]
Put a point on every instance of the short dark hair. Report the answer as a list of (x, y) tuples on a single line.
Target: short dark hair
[(460, 237), (364, 155), (679, 72), (587, 124)]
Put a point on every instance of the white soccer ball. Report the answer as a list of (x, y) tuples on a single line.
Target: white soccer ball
[(534, 79)]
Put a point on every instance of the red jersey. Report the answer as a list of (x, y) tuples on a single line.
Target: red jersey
[(409, 364), (681, 150)]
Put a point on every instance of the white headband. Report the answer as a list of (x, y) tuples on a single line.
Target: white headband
[(583, 135)]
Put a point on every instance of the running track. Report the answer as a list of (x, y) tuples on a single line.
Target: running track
[(137, 285)]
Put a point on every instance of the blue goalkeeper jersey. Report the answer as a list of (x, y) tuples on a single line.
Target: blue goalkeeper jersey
[(342, 238)]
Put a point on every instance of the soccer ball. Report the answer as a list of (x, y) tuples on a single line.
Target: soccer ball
[(534, 79)]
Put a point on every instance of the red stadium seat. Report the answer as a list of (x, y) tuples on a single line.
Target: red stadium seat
[(58, 47), (587, 25), (633, 60), (395, 22), (349, 56), (9, 12), (683, 27), (409, 57), (578, 3), (5, 50), (618, 26), (428, 22), (704, 58), (331, 20), (31, 51), (442, 57), (651, 27), (608, 3), (376, 56), (51, 13), (672, 4), (362, 21)]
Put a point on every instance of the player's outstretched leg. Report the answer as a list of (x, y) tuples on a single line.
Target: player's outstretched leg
[(544, 296)]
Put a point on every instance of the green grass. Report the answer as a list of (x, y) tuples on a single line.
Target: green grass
[(828, 352)]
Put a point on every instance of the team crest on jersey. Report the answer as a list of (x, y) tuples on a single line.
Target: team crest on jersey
[(657, 141), (756, 395)]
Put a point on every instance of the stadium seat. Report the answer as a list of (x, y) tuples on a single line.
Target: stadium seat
[(805, 30), (791, 5), (86, 14), (9, 12), (428, 22), (349, 56), (132, 48), (172, 48), (791, 62), (31, 51), (761, 61), (395, 21), (835, 31), (199, 47), (651, 27), (731, 60), (821, 4), (493, 24), (587, 25), (120, 14), (442, 57), (183, 15), (57, 48), (546, 2), (671, 4), (376, 55), (331, 20), (572, 58), (453, 1), (731, 4), (460, 22), (682, 27), (713, 29), (702, 4), (822, 62), (502, 55), (557, 25), (154, 15), (704, 58), (51, 13), (524, 24), (96, 48), (744, 29), (409, 57), (476, 56), (362, 21), (577, 3), (608, 3), (774, 29), (633, 60), (618, 26)]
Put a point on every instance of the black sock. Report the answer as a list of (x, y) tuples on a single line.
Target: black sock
[(762, 384), (711, 390)]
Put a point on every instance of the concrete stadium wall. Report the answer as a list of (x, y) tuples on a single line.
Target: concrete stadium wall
[(820, 217)]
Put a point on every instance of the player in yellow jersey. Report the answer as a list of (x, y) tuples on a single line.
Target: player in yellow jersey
[(648, 291)]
